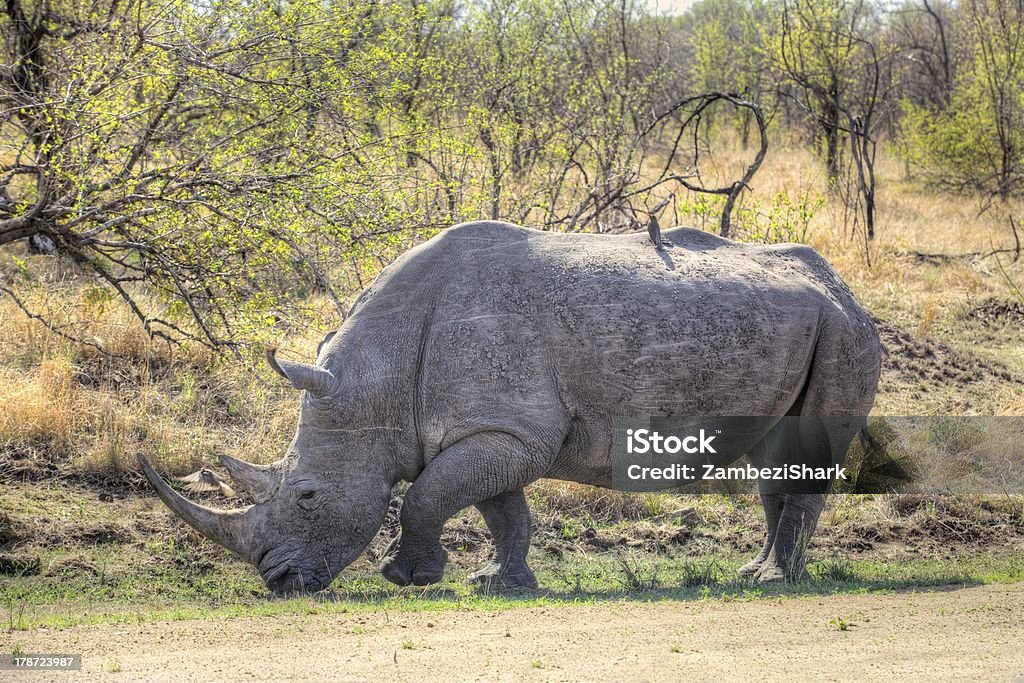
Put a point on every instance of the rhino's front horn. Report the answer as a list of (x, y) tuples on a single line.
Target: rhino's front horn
[(313, 378), (232, 529), (259, 481)]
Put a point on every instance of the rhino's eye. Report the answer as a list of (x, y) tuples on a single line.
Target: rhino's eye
[(309, 499)]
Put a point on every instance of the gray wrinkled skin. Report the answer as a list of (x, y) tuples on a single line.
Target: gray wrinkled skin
[(495, 355)]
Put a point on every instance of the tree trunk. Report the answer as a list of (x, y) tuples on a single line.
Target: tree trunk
[(830, 125)]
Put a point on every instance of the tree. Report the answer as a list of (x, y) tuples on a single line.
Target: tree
[(817, 48), (927, 38), (198, 160), (976, 141), (727, 53), (212, 166), (839, 71), (539, 112)]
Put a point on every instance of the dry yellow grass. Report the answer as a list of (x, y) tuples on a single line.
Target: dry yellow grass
[(70, 405), (913, 219)]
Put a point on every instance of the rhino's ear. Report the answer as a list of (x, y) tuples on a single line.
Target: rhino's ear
[(325, 342), (312, 378)]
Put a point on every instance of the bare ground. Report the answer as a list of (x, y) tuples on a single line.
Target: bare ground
[(957, 633)]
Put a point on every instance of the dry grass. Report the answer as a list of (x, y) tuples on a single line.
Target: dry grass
[(600, 506), (68, 407), (912, 219)]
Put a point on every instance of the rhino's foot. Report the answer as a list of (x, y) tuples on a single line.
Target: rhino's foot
[(418, 569), (769, 573), (493, 575), (751, 568)]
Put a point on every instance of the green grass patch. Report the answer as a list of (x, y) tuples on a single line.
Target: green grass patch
[(127, 592)]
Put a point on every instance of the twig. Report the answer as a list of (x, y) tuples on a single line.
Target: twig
[(1016, 240), (53, 328)]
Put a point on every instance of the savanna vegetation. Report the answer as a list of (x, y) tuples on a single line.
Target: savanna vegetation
[(183, 184)]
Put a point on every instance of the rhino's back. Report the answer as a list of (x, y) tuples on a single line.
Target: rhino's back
[(689, 328), (503, 268), (484, 251)]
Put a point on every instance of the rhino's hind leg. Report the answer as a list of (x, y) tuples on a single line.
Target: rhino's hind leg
[(795, 527), (773, 504), (508, 518), (470, 471), (817, 443)]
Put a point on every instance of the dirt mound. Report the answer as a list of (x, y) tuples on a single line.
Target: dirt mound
[(19, 565), (75, 519), (26, 466), (940, 525), (58, 532), (98, 533), (996, 312), (71, 565), (12, 530), (915, 361)]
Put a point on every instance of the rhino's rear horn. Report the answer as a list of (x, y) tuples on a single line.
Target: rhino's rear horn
[(313, 378), (259, 481)]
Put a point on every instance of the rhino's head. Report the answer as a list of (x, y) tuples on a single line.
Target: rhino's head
[(317, 509)]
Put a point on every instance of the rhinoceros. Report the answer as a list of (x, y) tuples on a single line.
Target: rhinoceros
[(493, 355)]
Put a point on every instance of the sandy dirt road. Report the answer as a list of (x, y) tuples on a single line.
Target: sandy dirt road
[(972, 633)]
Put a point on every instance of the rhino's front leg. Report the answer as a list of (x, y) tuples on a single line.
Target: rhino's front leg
[(508, 517), (475, 469)]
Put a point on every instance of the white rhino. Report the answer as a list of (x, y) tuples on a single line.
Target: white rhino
[(494, 355)]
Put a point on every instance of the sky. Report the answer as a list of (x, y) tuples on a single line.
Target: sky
[(670, 6)]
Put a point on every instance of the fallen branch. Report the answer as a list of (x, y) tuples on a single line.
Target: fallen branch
[(940, 258)]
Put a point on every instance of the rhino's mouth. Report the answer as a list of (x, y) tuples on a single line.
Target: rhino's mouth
[(283, 577), (291, 583)]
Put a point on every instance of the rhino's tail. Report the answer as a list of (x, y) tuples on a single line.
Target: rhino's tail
[(884, 466), (869, 442)]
